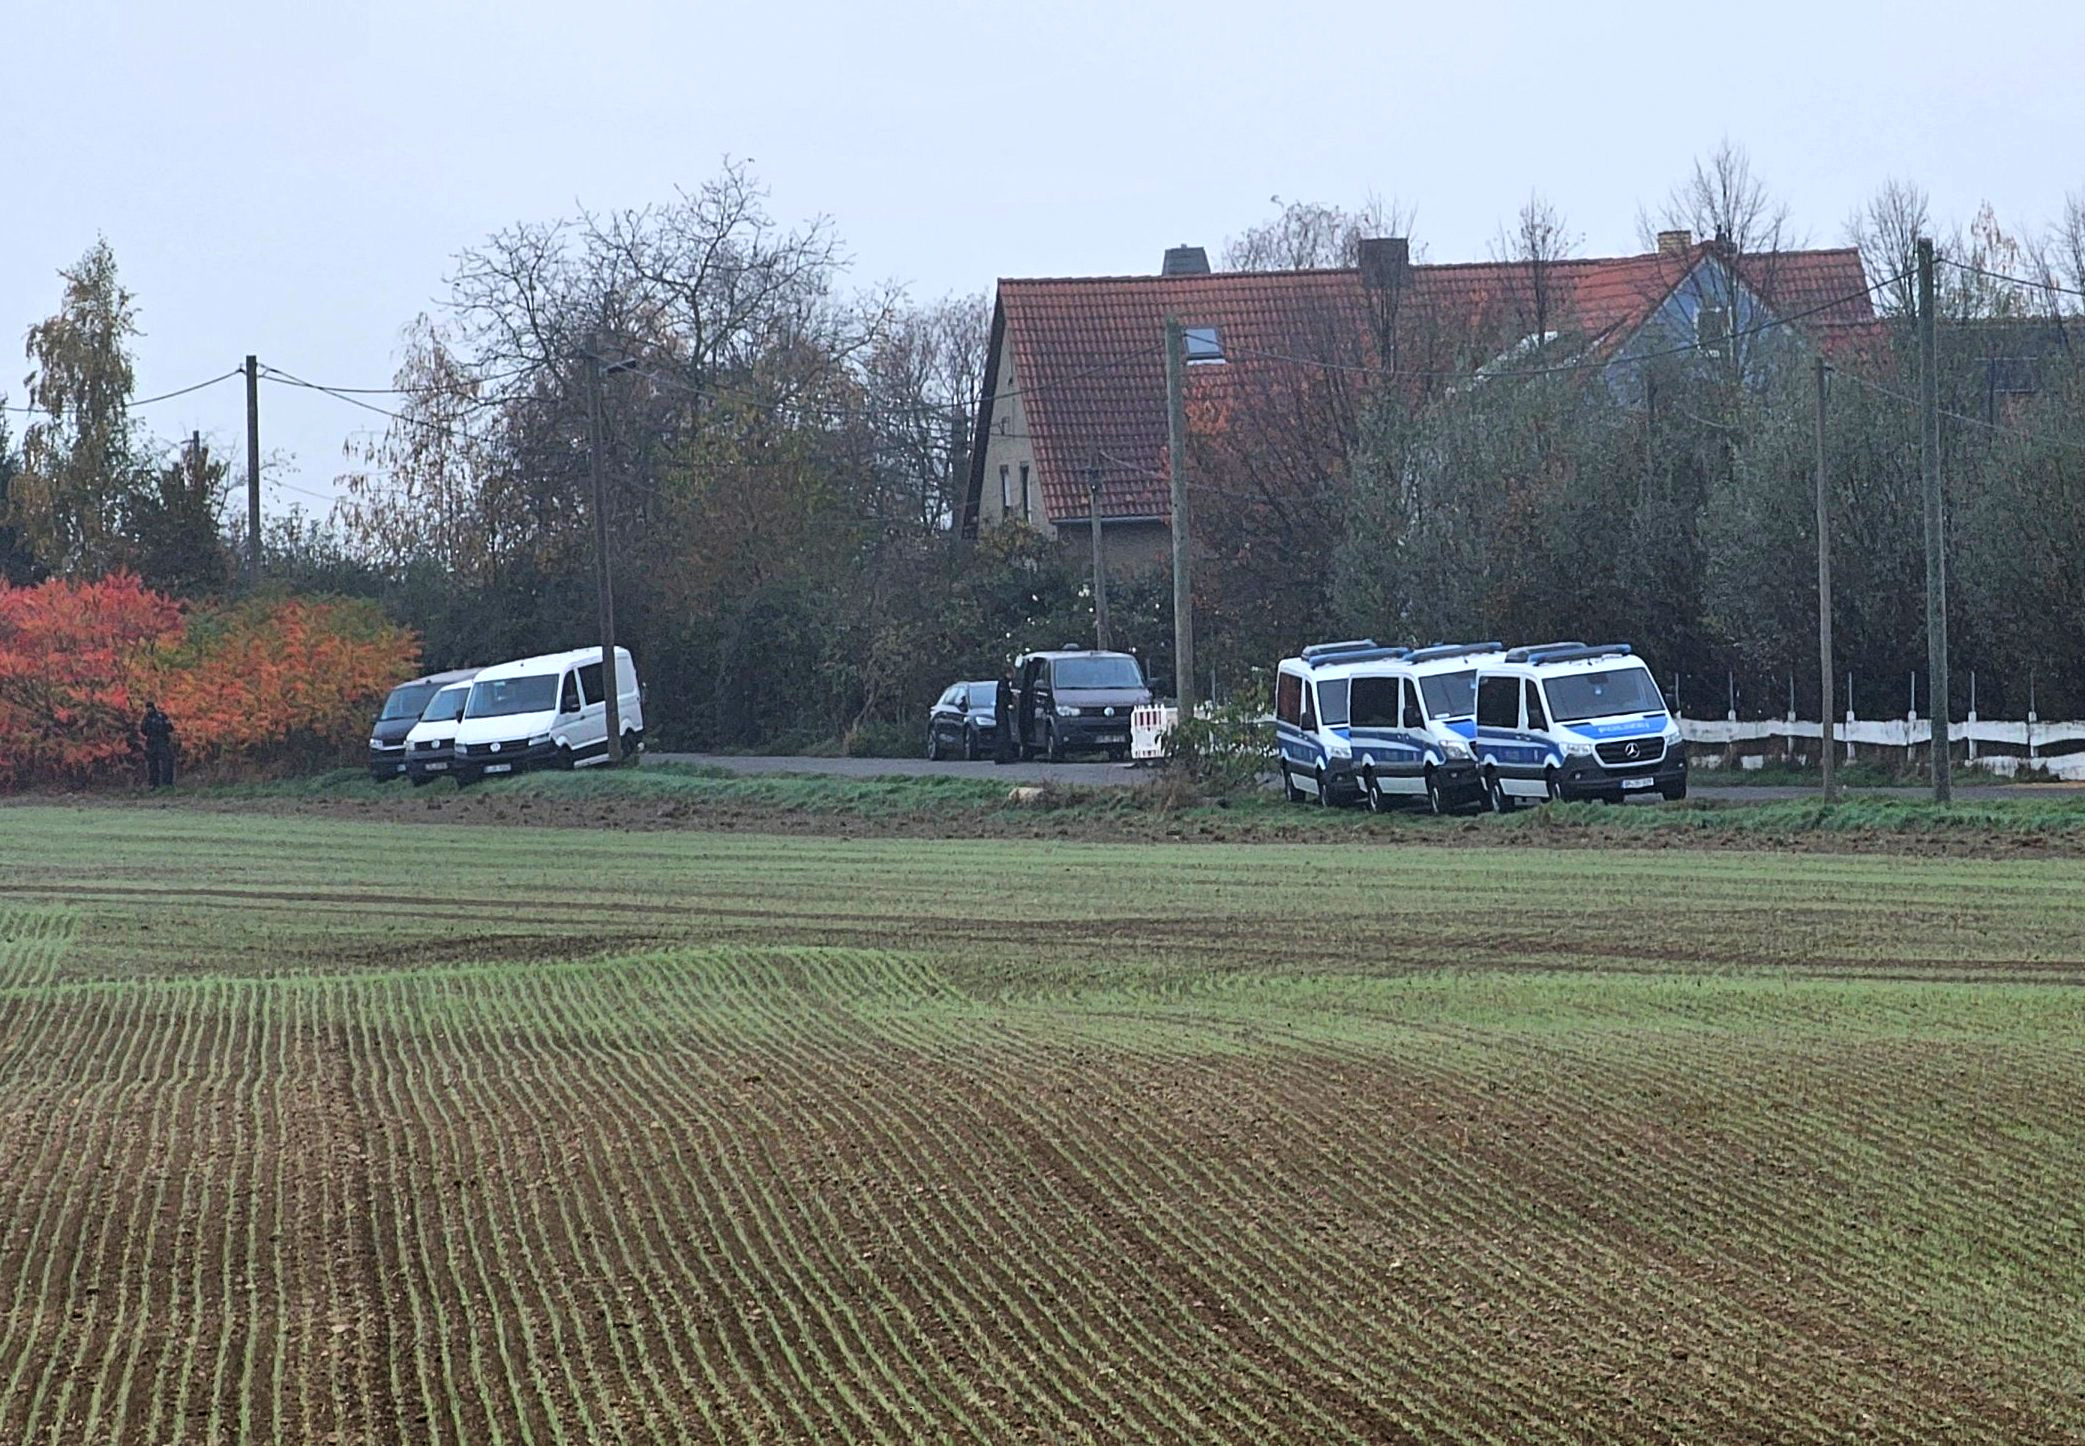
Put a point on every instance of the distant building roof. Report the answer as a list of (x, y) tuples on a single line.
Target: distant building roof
[(1089, 368)]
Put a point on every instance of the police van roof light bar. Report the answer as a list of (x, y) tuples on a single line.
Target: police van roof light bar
[(1454, 650), (1357, 655), (1318, 650), (1528, 650), (1578, 652)]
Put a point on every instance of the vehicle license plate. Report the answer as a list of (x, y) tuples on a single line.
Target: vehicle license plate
[(1638, 782), (438, 767), (499, 768)]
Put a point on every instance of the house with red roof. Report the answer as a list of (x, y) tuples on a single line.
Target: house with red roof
[(1074, 402)]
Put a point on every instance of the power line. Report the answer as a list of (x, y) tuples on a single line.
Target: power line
[(459, 389), (1999, 427), (148, 401), (2044, 285), (283, 378)]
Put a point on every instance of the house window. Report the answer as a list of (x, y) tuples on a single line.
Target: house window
[(1006, 488), (1024, 491), (1712, 328), (1204, 344)]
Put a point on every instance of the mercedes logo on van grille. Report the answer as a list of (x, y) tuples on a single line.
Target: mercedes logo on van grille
[(1631, 750), (495, 748)]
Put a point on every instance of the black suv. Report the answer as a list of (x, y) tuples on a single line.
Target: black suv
[(1074, 700), (964, 720)]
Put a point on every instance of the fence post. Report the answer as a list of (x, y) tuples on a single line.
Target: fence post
[(1972, 715), (2031, 720), (1849, 715)]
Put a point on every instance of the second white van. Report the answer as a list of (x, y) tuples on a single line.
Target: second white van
[(546, 712)]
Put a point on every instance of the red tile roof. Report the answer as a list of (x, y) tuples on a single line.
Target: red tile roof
[(1090, 371)]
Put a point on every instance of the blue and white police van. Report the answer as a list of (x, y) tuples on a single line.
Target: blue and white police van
[(1350, 722), (1572, 720)]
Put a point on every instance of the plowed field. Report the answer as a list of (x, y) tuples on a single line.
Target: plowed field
[(325, 1131)]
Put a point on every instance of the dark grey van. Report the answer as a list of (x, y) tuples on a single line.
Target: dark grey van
[(1074, 700)]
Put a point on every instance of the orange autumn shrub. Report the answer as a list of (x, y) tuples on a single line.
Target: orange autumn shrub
[(70, 656), (265, 683)]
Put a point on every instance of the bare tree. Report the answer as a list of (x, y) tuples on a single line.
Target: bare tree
[(1723, 201), (921, 378), (1539, 238), (1886, 228), (1308, 235), (1748, 230), (2062, 251), (427, 487)]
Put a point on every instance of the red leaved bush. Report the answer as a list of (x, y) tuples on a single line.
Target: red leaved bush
[(263, 682)]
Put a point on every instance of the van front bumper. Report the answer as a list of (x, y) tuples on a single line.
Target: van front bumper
[(1459, 782), (426, 763), (386, 764), (1075, 734), (516, 757), (1586, 778)]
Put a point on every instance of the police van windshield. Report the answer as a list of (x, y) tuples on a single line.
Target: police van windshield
[(447, 706), (1605, 694), (1098, 672), (1450, 695), (508, 696), (406, 701)]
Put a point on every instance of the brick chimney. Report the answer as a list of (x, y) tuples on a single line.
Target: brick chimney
[(1384, 261), (1185, 261), (1675, 243)]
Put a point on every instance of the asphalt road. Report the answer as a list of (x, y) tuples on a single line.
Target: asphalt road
[(1121, 775)]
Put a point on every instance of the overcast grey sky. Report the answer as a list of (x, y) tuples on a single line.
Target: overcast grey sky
[(293, 180)]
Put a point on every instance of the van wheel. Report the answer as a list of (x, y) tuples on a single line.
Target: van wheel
[(1289, 788), (564, 762), (1549, 784), (633, 745), (1374, 792), (1495, 794), (1324, 790), (420, 780), (1434, 802), (1053, 746), (1675, 792)]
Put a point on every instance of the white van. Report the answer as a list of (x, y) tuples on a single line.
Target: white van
[(546, 712), (1409, 721), (430, 746), (1564, 720)]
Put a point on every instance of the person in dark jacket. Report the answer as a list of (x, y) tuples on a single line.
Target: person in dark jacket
[(1006, 748), (158, 732)]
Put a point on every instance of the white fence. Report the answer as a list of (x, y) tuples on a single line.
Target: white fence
[(2002, 747)]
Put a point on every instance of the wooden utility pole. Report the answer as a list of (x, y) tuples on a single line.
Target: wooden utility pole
[(1828, 739), (1183, 590), (1100, 569), (1936, 526), (253, 474), (611, 683)]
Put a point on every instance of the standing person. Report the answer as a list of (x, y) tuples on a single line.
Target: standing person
[(1006, 746), (158, 732)]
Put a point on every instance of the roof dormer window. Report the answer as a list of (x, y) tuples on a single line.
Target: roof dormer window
[(1204, 344)]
